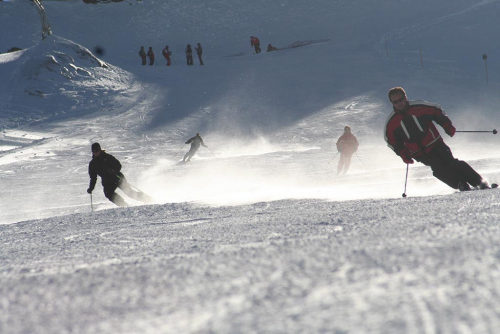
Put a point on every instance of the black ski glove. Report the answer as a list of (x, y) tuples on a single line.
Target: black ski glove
[(89, 191)]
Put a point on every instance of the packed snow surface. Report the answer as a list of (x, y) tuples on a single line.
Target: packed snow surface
[(257, 234)]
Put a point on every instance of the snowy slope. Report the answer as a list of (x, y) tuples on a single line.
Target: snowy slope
[(256, 234)]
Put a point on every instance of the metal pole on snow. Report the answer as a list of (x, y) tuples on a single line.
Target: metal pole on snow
[(406, 178)]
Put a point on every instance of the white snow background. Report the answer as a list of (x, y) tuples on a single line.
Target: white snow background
[(256, 234)]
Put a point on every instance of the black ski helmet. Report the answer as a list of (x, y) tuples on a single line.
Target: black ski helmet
[(96, 147)]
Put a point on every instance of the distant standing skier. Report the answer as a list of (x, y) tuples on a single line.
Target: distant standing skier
[(195, 142), (255, 42), (142, 53), (347, 145), (411, 134), (151, 56), (199, 52), (108, 168), (166, 53), (189, 54)]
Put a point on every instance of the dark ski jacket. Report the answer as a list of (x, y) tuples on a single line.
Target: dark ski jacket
[(412, 131), (142, 53), (199, 50), (189, 51), (107, 167), (347, 144), (196, 141), (151, 54)]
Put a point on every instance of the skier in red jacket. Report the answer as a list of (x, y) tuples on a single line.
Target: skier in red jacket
[(347, 145), (254, 42), (411, 134)]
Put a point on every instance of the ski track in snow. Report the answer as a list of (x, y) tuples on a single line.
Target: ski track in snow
[(306, 264)]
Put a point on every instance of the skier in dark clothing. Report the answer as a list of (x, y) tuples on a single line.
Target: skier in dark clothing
[(255, 42), (189, 54), (411, 134), (195, 142), (166, 53), (151, 56), (347, 145), (199, 52), (142, 53), (108, 168)]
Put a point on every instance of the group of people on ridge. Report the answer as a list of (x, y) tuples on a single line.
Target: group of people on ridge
[(167, 53), (409, 131), (254, 42)]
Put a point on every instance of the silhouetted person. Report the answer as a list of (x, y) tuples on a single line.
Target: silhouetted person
[(151, 56), (142, 53), (199, 52), (189, 54), (166, 53), (195, 142)]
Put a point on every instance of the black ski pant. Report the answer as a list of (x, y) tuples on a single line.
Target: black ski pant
[(344, 163), (201, 61), (257, 48), (151, 61), (143, 60), (110, 188), (189, 60), (448, 169), (191, 153)]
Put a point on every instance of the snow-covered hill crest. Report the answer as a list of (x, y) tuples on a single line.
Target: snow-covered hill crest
[(54, 78)]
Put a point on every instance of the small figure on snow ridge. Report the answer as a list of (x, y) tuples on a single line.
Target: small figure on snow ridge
[(189, 54), (199, 52), (167, 53), (255, 43), (151, 56), (142, 53), (271, 48)]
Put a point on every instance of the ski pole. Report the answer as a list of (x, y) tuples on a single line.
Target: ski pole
[(91, 203), (179, 150), (406, 178), (211, 152), (361, 161), (131, 185), (494, 131), (333, 158)]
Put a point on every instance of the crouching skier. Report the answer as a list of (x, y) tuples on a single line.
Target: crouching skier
[(108, 168), (411, 134)]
